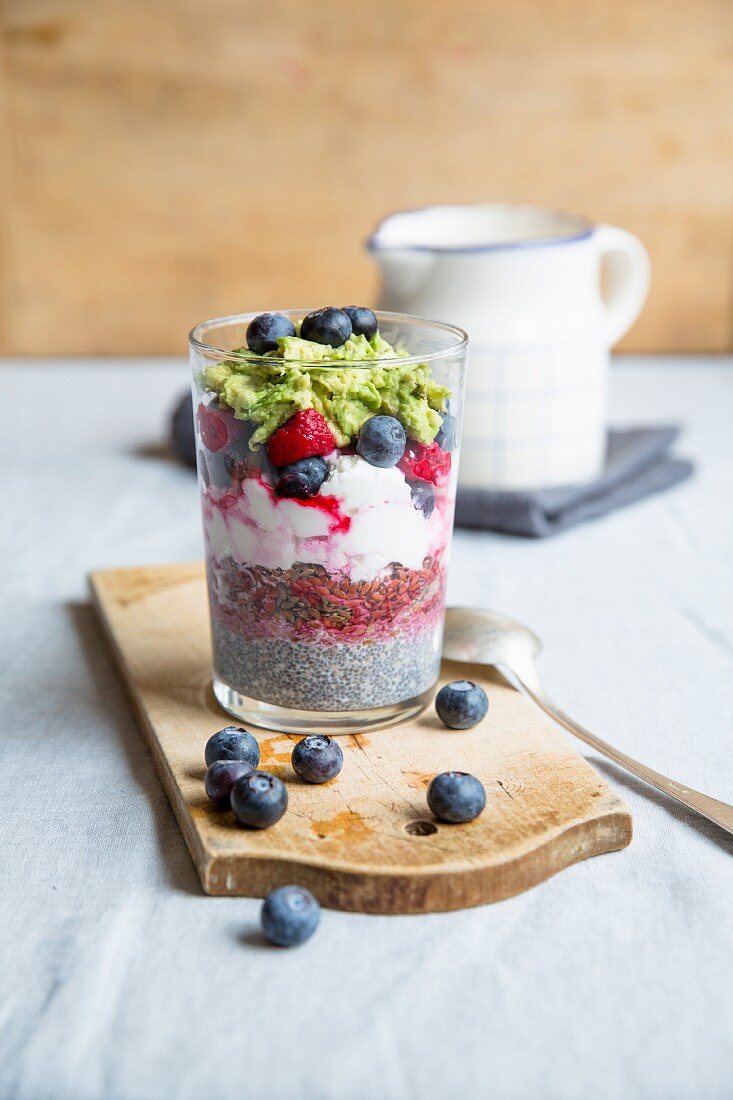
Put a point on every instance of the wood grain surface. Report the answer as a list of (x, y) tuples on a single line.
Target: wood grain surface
[(173, 160), (366, 841)]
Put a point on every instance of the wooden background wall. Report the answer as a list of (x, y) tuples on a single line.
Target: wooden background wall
[(167, 160)]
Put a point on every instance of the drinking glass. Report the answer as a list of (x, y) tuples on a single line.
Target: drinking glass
[(327, 612)]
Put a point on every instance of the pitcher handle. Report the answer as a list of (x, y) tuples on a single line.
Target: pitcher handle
[(628, 269)]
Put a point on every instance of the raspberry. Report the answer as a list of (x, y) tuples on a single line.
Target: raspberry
[(422, 462), (212, 427), (305, 435)]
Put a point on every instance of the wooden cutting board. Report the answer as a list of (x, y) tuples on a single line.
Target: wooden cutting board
[(366, 841)]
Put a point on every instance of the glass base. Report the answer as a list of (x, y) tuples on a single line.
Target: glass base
[(287, 720)]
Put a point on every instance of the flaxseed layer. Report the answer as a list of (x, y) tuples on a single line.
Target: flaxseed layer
[(307, 604)]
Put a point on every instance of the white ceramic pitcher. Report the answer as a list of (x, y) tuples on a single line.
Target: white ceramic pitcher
[(525, 284)]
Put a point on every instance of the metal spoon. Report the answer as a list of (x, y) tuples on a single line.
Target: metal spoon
[(488, 638)]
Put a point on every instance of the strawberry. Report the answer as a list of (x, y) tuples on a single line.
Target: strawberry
[(305, 435), (425, 462)]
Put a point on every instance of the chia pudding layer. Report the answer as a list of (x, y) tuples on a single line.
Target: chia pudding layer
[(327, 498), (342, 643), (327, 676)]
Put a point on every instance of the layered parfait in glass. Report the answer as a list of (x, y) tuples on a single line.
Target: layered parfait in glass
[(327, 453)]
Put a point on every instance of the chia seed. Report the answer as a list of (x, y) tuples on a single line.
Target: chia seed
[(312, 675)]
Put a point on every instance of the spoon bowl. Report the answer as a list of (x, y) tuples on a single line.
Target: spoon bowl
[(477, 636), (485, 637)]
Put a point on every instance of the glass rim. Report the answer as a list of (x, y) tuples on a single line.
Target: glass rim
[(198, 331)]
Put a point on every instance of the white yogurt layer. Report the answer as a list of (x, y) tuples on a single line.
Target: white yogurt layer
[(273, 532)]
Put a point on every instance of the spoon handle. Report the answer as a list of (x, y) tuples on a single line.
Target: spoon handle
[(711, 808)]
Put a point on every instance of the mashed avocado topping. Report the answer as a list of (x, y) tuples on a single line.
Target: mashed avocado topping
[(269, 391)]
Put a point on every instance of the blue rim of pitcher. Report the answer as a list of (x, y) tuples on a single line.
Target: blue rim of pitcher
[(583, 234)]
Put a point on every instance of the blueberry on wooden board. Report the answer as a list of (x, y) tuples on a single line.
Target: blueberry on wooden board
[(220, 778), (456, 797), (461, 704), (232, 743), (259, 800), (317, 758)]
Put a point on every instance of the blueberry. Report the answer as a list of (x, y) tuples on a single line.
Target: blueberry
[(461, 704), (363, 321), (213, 469), (182, 435), (327, 326), (218, 470), (238, 458), (289, 916), (302, 479), (264, 331), (446, 437), (317, 759), (232, 743), (203, 468), (381, 441), (220, 778), (237, 462), (456, 797), (423, 497), (259, 800)]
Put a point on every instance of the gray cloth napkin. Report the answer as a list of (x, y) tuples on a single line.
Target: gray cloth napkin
[(637, 465)]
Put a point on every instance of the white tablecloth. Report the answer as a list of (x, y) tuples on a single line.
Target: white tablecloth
[(120, 979)]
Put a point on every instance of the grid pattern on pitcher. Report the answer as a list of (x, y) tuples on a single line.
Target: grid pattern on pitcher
[(534, 416)]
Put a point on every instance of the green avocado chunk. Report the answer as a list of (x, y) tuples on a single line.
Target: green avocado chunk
[(268, 389)]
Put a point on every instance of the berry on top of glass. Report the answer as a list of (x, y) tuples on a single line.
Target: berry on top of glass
[(363, 321), (264, 331), (329, 325)]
